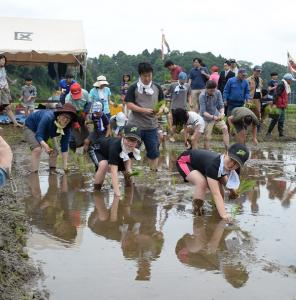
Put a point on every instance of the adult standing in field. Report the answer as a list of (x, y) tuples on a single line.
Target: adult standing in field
[(174, 69), (5, 96), (224, 76), (236, 92), (65, 85), (180, 92), (233, 66), (142, 97), (198, 77), (212, 110), (272, 84), (102, 93), (256, 85), (280, 102)]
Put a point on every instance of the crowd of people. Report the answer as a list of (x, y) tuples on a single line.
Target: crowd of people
[(191, 106)]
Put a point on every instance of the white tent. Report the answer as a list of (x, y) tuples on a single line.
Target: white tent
[(39, 41)]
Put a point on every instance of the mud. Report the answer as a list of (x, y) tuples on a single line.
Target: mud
[(18, 274), (149, 244)]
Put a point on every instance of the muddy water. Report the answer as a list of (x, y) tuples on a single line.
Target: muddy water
[(148, 245)]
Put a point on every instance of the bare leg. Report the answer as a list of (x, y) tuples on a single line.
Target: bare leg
[(36, 153), (101, 172), (195, 137), (225, 137), (153, 164), (12, 117), (241, 137)]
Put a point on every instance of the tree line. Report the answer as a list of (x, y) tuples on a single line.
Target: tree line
[(113, 67)]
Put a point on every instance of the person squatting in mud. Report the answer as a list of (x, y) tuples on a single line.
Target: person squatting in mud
[(42, 125), (116, 153), (206, 169)]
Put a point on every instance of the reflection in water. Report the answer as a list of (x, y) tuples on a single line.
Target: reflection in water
[(132, 222), (215, 247), (58, 212)]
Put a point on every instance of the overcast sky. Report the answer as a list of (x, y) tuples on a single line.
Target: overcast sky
[(253, 30)]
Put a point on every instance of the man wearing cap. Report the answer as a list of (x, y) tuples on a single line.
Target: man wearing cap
[(280, 101), (236, 92), (79, 98), (142, 98), (175, 70), (212, 110), (241, 118), (42, 125), (180, 92), (102, 93), (256, 86), (207, 169), (117, 154), (64, 86), (198, 77)]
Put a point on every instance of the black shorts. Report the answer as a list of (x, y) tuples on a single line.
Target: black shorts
[(179, 118), (96, 156), (183, 164)]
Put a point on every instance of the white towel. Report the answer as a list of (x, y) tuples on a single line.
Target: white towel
[(145, 88), (125, 152)]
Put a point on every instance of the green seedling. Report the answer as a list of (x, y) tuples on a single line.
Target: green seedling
[(158, 105), (246, 185), (235, 210), (135, 173)]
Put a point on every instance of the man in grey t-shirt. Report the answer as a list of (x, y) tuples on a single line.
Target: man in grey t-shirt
[(141, 99)]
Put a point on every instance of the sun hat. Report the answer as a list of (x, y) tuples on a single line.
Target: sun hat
[(239, 152), (76, 91), (121, 119), (101, 80), (69, 109), (132, 132)]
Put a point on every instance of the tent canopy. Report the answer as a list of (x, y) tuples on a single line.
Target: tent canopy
[(39, 41)]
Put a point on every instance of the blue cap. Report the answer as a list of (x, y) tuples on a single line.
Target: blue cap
[(289, 76), (182, 76)]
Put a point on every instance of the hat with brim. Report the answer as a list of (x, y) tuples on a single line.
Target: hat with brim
[(239, 152), (69, 109), (132, 132), (76, 91)]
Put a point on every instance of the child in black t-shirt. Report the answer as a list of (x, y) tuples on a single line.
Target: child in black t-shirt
[(207, 169), (116, 153)]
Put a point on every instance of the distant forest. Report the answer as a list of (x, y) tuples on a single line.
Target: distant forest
[(114, 66)]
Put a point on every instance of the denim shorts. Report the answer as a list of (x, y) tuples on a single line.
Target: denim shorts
[(150, 139)]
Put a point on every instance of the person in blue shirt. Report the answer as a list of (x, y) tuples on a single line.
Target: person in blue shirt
[(65, 85), (5, 161), (102, 93), (198, 77), (236, 91), (43, 125)]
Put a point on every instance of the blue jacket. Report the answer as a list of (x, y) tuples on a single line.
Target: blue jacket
[(236, 91), (42, 124)]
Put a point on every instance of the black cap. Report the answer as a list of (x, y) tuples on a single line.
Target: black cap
[(239, 152), (131, 131)]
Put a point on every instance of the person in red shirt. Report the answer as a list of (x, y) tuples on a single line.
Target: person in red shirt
[(174, 70)]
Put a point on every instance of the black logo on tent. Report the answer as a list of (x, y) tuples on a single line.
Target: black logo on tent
[(23, 36)]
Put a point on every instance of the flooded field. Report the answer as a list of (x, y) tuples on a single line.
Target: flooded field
[(148, 245)]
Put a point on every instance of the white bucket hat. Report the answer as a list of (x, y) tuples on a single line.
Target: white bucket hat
[(100, 81), (120, 119)]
